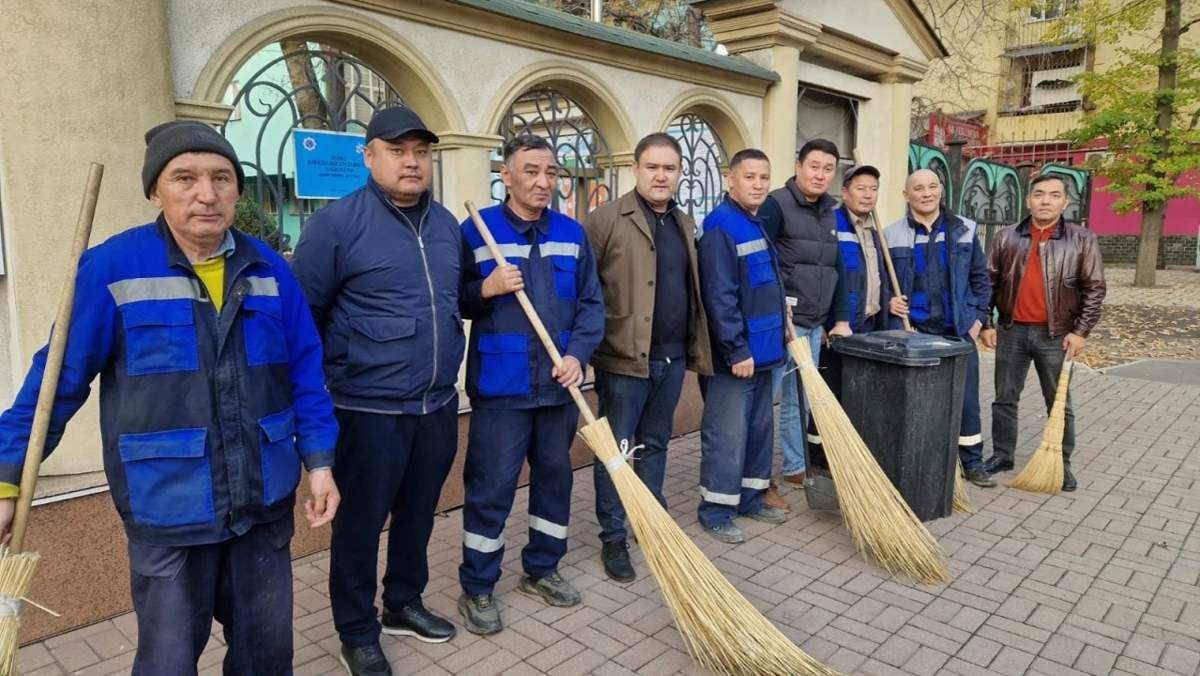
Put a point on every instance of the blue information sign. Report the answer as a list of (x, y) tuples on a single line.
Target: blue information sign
[(329, 164)]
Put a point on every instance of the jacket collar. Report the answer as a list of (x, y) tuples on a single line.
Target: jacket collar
[(423, 201), (630, 205), (244, 252), (542, 224), (738, 207), (824, 203), (1025, 227)]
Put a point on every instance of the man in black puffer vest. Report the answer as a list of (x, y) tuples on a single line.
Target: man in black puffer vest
[(802, 218)]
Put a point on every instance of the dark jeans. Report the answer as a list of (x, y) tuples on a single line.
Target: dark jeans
[(1016, 347), (640, 411), (385, 465), (245, 583)]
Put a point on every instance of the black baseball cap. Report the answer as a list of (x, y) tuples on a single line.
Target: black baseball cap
[(390, 124), (856, 170)]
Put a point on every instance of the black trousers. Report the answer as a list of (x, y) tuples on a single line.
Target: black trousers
[(385, 465), (1017, 347)]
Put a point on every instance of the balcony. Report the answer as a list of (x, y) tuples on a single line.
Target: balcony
[(1033, 127)]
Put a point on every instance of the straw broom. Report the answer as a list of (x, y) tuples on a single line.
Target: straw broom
[(17, 567), (721, 629), (1044, 472), (962, 502), (880, 521)]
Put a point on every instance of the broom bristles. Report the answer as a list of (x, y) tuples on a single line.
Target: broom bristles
[(881, 523), (1044, 471), (962, 501), (16, 574), (723, 631)]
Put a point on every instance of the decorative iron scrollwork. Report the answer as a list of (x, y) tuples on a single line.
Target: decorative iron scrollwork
[(701, 184)]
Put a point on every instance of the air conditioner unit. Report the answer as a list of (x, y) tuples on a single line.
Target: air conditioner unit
[(1054, 86)]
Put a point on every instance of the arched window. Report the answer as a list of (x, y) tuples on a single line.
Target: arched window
[(702, 183)]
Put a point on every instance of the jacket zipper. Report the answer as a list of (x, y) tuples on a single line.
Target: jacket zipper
[(432, 299), (1046, 286)]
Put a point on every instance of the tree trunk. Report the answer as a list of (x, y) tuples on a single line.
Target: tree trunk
[(304, 82), (1147, 257), (1153, 216)]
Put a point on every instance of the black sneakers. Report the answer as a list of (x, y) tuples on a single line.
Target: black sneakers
[(1069, 483), (615, 557), (979, 478), (995, 465), (366, 660), (414, 620)]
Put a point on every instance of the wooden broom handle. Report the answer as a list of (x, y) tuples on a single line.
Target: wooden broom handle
[(887, 256), (530, 312), (54, 359)]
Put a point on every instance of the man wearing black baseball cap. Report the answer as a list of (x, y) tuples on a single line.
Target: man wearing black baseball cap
[(381, 270)]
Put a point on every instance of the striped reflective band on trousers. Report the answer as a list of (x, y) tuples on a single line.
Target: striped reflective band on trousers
[(482, 544), (753, 246), (571, 249), (178, 288), (970, 440), (547, 527)]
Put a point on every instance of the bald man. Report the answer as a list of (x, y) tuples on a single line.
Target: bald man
[(945, 291)]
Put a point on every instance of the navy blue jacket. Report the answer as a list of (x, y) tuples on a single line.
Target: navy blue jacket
[(384, 293), (852, 279), (204, 418), (740, 287), (507, 365), (970, 288)]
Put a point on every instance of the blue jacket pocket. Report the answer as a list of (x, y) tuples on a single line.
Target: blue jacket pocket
[(160, 336), (262, 325), (280, 460), (564, 277), (503, 364), (169, 477), (760, 269), (765, 338)]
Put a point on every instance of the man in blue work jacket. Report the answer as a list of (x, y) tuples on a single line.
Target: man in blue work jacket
[(520, 407), (742, 293), (211, 397), (381, 271), (945, 291)]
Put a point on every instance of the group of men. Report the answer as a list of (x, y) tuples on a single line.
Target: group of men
[(223, 369)]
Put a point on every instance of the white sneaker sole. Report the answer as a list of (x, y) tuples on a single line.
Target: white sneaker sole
[(409, 632)]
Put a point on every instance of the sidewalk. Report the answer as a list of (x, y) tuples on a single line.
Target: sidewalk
[(1100, 581)]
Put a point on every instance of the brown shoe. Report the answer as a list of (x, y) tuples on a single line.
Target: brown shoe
[(774, 499), (795, 479)]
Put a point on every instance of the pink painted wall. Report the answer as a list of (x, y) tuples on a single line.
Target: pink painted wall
[(1183, 215)]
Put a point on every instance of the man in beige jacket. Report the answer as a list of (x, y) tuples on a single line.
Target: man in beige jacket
[(655, 327)]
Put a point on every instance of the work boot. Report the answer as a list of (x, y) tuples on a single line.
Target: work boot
[(772, 498), (997, 464), (769, 515), (615, 557), (365, 660), (480, 614), (727, 533), (1069, 483), (552, 589), (979, 478), (414, 620), (796, 480)]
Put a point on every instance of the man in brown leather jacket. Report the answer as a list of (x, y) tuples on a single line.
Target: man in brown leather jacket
[(1048, 284), (655, 327)]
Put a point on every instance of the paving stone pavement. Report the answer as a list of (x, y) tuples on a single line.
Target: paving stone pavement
[(1176, 287), (1101, 581)]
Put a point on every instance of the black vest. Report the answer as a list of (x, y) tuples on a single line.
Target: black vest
[(808, 251)]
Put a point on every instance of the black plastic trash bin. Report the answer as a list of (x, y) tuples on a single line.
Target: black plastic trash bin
[(903, 392)]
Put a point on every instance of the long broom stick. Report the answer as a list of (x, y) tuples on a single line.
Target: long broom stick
[(1044, 472), (721, 629), (962, 502), (17, 567), (880, 521)]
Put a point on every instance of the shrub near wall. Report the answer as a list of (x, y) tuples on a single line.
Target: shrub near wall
[(1171, 250)]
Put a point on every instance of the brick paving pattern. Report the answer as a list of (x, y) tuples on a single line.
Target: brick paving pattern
[(1178, 288), (1102, 581)]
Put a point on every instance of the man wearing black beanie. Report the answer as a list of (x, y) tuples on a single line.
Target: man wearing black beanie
[(211, 398)]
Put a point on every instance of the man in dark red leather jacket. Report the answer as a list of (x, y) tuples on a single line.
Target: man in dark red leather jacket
[(1048, 285)]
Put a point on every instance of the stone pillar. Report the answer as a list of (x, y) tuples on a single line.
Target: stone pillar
[(466, 170), (623, 162), (88, 94), (779, 113), (897, 88)]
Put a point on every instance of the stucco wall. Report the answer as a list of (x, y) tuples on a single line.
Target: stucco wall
[(87, 96)]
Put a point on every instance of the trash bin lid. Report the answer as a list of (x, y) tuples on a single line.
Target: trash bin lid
[(903, 348)]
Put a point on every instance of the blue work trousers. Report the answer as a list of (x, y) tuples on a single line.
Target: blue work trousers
[(498, 444), (640, 412), (736, 443), (245, 583)]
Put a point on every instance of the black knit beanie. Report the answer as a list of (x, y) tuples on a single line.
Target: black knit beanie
[(170, 139)]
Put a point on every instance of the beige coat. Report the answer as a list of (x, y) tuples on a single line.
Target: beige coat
[(626, 262)]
